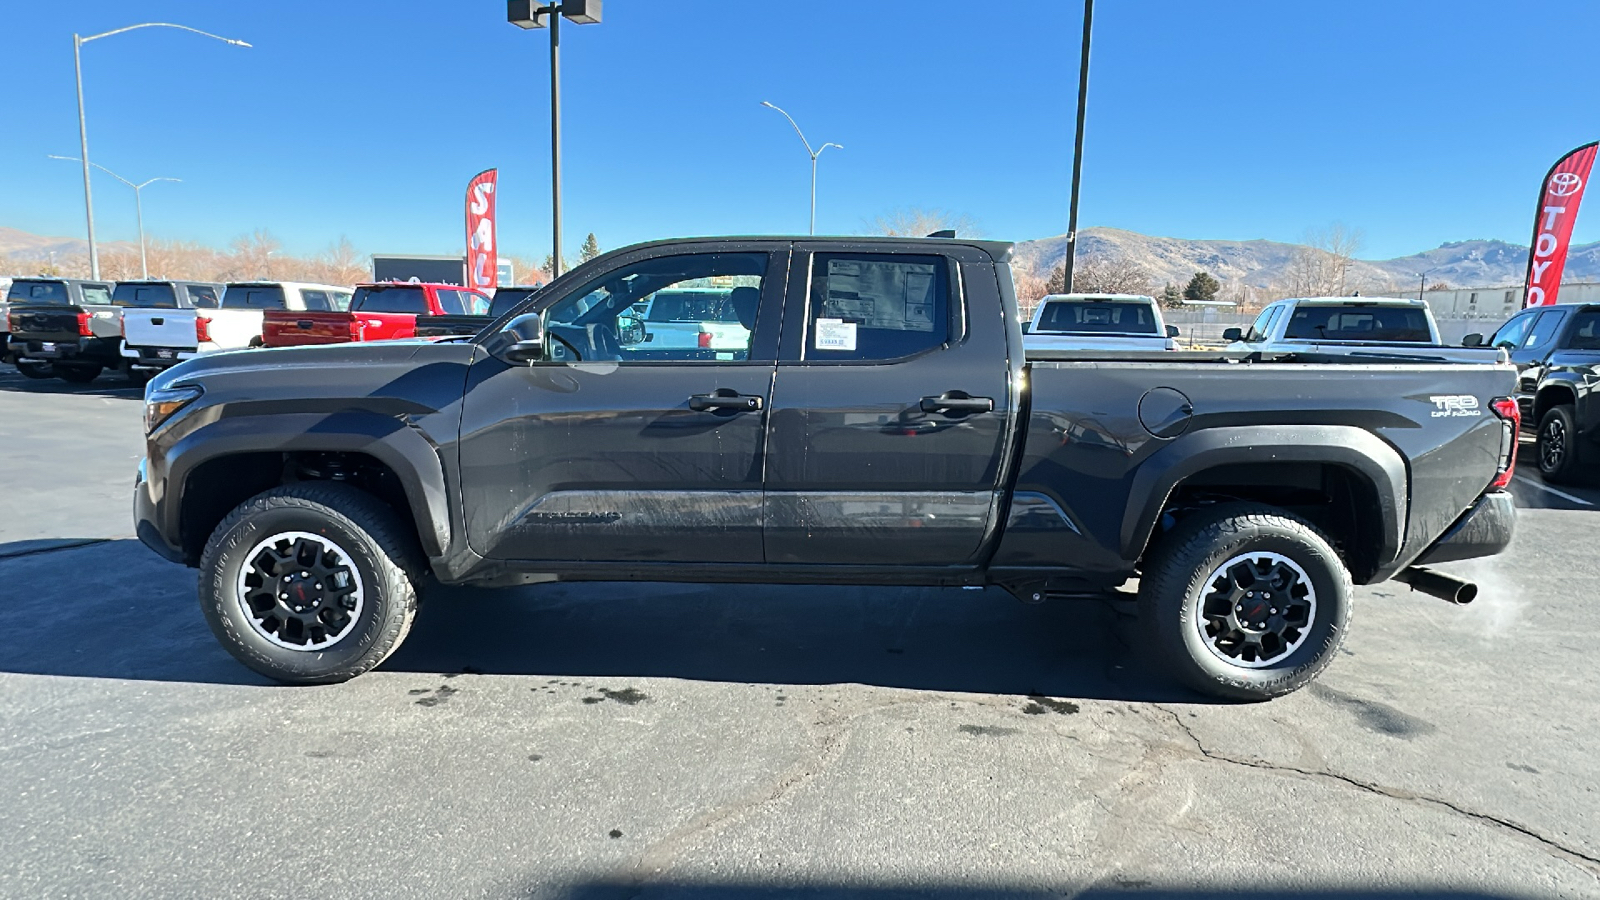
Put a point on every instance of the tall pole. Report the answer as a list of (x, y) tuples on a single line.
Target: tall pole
[(813, 196), (555, 136), (812, 153), (1077, 148), (83, 146), (138, 210)]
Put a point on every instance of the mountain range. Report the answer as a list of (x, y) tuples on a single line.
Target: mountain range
[(1258, 263)]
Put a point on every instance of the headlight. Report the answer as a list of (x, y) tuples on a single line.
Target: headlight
[(161, 405)]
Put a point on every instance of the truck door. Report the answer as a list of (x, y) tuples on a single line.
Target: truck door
[(1532, 357), (616, 449), (890, 408)]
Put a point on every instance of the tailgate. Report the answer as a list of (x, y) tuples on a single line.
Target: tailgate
[(386, 326), (159, 328), (55, 323), (288, 328)]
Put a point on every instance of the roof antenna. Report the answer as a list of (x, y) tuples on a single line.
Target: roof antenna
[(944, 233)]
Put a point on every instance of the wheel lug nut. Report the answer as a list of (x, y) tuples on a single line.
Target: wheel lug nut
[(283, 596), (1274, 611)]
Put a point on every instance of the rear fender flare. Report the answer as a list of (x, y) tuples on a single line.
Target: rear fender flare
[(1352, 448)]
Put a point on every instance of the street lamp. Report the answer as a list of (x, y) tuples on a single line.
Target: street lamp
[(83, 129), (138, 203), (814, 154), (1422, 281), (531, 14)]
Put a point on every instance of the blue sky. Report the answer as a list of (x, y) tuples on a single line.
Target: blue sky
[(1417, 122)]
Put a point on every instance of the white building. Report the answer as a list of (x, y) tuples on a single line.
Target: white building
[(1462, 311)]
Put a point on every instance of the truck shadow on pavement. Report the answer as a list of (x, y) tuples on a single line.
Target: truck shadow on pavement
[(113, 385), (112, 609)]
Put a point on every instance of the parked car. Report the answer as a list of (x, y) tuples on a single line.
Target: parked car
[(158, 338), (882, 425), (66, 327), (1369, 327), (1099, 322), (503, 301), (5, 324), (378, 312), (1556, 350), (159, 319)]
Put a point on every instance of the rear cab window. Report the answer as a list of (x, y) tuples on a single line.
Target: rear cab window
[(385, 299), (1357, 322), (1096, 317), (253, 296), (51, 293), (1585, 330), (877, 306), (144, 296), (202, 296)]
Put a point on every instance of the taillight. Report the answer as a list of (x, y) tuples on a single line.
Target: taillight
[(11, 322), (356, 329), (202, 329), (1510, 425), (83, 325), (705, 340)]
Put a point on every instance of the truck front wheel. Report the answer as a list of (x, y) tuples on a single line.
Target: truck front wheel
[(1245, 602), (311, 583)]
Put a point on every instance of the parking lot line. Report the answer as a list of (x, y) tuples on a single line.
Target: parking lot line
[(1547, 488)]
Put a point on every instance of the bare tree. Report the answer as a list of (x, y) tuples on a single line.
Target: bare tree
[(1096, 273), (252, 254), (1030, 288), (341, 263), (915, 221), (1322, 268)]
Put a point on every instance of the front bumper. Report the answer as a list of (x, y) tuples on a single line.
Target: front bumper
[(144, 519), (1485, 529)]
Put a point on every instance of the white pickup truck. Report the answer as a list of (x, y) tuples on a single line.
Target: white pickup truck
[(1099, 322), (717, 320), (1368, 327), (157, 338)]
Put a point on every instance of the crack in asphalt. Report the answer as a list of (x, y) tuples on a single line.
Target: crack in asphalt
[(86, 542), (1590, 863)]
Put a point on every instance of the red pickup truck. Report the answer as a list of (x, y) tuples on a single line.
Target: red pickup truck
[(378, 312)]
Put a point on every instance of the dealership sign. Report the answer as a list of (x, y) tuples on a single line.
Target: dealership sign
[(1559, 197), (481, 257)]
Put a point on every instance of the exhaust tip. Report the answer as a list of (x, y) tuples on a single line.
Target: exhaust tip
[(1467, 594), (1437, 584)]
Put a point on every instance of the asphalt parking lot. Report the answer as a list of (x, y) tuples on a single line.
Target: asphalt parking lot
[(599, 740)]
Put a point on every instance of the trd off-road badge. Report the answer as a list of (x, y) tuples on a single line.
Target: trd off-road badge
[(1451, 405)]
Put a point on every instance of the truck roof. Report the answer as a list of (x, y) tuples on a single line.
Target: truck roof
[(1000, 251), (1119, 298), (1352, 301)]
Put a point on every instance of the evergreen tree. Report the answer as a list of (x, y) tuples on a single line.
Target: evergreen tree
[(590, 248), (1202, 288), (1171, 297)]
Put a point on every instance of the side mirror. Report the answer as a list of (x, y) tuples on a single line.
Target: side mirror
[(630, 330), (1172, 331), (1472, 340), (521, 342), (1232, 334)]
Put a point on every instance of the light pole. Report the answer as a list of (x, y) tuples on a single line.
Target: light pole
[(1422, 281), (1077, 149), (138, 204), (814, 154), (531, 14), (83, 129)]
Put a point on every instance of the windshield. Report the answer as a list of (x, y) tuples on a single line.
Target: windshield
[(144, 296), (1407, 324), (398, 299), (253, 296), (1097, 317), (51, 292)]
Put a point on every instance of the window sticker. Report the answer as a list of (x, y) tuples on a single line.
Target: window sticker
[(836, 334)]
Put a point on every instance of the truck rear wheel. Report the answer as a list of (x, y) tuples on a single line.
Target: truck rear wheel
[(78, 374), (35, 370), (1245, 602), (1558, 445), (311, 583)]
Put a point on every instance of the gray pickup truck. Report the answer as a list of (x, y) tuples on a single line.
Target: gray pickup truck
[(881, 425)]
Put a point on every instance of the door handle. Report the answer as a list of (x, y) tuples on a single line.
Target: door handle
[(724, 400), (957, 402)]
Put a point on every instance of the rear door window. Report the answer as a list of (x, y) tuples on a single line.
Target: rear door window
[(398, 299), (145, 296), (877, 306), (203, 296), (96, 294), (1544, 328), (44, 292), (316, 301), (253, 296)]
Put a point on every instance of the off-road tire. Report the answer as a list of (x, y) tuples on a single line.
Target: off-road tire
[(34, 370), (1175, 579), (1556, 450), (78, 374), (380, 547)]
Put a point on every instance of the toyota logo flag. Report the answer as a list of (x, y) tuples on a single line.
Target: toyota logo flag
[(1559, 197), (482, 259)]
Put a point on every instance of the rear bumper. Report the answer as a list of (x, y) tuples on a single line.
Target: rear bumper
[(1485, 529), (156, 358), (96, 351)]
